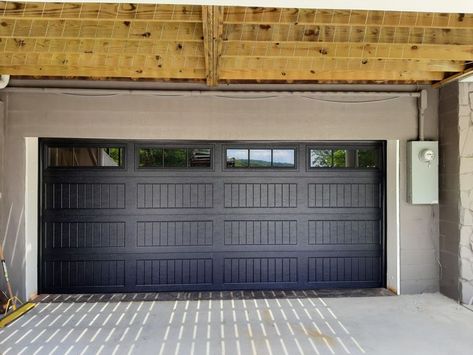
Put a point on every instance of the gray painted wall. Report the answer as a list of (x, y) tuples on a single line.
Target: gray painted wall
[(456, 191), (449, 235), (263, 116)]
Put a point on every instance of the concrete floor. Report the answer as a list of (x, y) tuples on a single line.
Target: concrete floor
[(423, 324)]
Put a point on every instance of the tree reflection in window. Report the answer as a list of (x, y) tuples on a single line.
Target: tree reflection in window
[(259, 158), (343, 158), (170, 157)]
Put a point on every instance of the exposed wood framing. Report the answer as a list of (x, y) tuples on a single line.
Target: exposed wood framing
[(452, 78), (233, 44), (212, 24)]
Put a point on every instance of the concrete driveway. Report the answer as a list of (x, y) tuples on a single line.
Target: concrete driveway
[(423, 324)]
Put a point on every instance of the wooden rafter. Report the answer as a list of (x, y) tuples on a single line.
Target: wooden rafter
[(212, 24), (231, 44)]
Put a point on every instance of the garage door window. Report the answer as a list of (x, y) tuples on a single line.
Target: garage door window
[(171, 157), (91, 157), (257, 158), (343, 158)]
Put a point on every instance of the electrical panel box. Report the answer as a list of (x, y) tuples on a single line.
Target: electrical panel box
[(422, 172)]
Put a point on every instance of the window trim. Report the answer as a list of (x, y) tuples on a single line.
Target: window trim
[(259, 147), (70, 145), (187, 147)]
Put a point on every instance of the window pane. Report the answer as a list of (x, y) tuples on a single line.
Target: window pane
[(283, 158), (175, 157), (320, 158), (200, 157), (85, 157), (150, 157), (367, 158), (260, 158), (237, 158), (340, 159)]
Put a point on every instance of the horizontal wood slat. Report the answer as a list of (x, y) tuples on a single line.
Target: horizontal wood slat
[(346, 17), (103, 12), (330, 75), (347, 50), (225, 44)]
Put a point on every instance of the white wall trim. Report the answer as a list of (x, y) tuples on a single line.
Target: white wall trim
[(31, 216), (393, 247)]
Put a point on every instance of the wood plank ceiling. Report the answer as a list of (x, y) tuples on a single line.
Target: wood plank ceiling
[(231, 44)]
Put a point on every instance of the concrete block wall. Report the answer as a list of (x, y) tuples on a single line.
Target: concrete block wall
[(456, 191), (465, 124), (449, 231)]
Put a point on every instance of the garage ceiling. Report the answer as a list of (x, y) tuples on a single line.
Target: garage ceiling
[(231, 44)]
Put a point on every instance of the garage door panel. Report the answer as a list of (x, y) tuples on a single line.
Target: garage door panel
[(218, 228), (344, 269), (355, 232), (78, 274), (175, 233), (69, 195), (260, 195), (80, 235), (346, 195)]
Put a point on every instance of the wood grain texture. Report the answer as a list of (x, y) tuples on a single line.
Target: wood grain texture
[(231, 44)]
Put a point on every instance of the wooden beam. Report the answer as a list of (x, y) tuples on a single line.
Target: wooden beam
[(267, 16), (336, 33), (212, 21), (347, 50), (102, 12), (90, 60), (329, 75), (111, 46), (100, 72), (98, 29), (317, 64), (452, 78)]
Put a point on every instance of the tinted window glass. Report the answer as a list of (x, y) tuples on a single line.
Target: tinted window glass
[(284, 158), (343, 158), (200, 157), (150, 158), (260, 158), (175, 157), (340, 158), (237, 158), (85, 157), (320, 158), (367, 158)]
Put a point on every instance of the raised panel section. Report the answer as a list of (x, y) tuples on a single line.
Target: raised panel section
[(264, 195), (174, 233), (344, 232), (344, 269), (257, 232), (84, 196), (174, 272), (84, 234), (179, 195), (260, 270), (344, 195), (84, 273)]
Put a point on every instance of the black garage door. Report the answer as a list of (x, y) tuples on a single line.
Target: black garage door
[(154, 216)]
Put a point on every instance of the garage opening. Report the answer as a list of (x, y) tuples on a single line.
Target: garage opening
[(148, 216)]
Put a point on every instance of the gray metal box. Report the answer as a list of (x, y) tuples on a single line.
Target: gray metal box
[(422, 172)]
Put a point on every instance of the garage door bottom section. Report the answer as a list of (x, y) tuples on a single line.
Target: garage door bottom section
[(151, 216)]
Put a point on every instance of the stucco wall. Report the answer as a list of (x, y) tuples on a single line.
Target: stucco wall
[(219, 116)]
